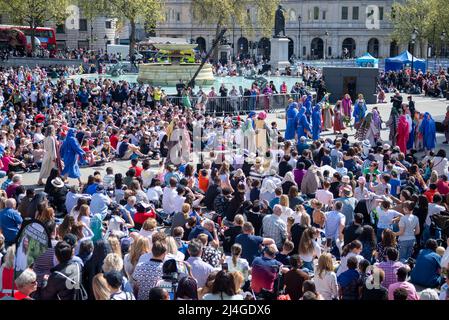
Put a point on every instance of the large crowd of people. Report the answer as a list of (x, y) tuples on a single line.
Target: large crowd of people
[(218, 208)]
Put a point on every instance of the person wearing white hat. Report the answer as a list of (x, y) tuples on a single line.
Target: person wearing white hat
[(349, 203), (361, 192)]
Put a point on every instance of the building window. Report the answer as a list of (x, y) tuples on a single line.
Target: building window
[(178, 16), (329, 52), (381, 13), (304, 51), (83, 24), (316, 13), (60, 28), (83, 44), (355, 13), (324, 15), (108, 24), (344, 13)]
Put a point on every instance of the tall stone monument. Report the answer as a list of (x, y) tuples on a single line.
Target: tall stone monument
[(279, 43)]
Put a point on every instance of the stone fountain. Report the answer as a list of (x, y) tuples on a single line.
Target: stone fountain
[(175, 61)]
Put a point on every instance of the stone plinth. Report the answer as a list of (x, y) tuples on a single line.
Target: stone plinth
[(279, 54)]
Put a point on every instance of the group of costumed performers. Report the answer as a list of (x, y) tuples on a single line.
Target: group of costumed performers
[(256, 133), (407, 131), (369, 127)]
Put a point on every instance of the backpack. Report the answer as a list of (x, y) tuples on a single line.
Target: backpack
[(80, 293)]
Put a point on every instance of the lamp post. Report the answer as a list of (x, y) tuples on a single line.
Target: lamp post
[(326, 34), (442, 38), (105, 43), (299, 36), (414, 35)]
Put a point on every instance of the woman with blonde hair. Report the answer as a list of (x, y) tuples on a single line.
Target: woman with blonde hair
[(7, 272), (179, 219), (100, 288), (172, 250), (115, 245), (325, 278), (285, 205), (309, 248), (114, 262), (140, 246), (148, 229)]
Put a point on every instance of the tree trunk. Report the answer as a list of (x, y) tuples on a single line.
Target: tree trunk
[(217, 32), (132, 37)]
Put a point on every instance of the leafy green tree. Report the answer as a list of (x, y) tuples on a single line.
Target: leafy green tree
[(147, 11), (221, 13)]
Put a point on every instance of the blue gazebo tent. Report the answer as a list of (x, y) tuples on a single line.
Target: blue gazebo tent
[(405, 58), (367, 60)]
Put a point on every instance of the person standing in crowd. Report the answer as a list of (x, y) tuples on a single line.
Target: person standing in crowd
[(428, 131), (50, 156), (71, 152)]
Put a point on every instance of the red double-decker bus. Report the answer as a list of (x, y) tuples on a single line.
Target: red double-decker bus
[(46, 37)]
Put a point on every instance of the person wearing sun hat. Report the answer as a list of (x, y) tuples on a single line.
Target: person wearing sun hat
[(262, 133), (349, 203)]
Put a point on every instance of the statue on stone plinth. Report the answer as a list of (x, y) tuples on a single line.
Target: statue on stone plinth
[(279, 22)]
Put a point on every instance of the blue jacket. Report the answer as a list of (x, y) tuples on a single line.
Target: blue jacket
[(10, 220), (70, 150)]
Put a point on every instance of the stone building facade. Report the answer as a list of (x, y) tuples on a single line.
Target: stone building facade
[(326, 29)]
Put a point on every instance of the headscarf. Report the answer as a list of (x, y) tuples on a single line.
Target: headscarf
[(262, 115), (268, 185), (376, 118), (289, 177)]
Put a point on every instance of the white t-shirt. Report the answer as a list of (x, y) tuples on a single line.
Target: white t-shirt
[(386, 217), (242, 266), (409, 223), (324, 196), (433, 209), (309, 256), (147, 177), (344, 262)]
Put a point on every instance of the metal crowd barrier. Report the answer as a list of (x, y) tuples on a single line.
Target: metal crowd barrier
[(237, 105)]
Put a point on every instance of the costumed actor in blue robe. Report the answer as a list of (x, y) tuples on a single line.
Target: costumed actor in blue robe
[(428, 131), (70, 152), (316, 122), (359, 113), (292, 112), (302, 125), (308, 106)]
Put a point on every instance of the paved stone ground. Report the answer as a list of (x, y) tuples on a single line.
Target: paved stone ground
[(436, 107)]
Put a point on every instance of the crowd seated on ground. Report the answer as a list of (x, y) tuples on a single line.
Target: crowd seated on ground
[(318, 219)]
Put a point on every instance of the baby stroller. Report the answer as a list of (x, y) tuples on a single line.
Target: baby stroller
[(441, 221)]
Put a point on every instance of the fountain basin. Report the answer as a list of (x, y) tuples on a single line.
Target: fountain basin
[(168, 74)]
